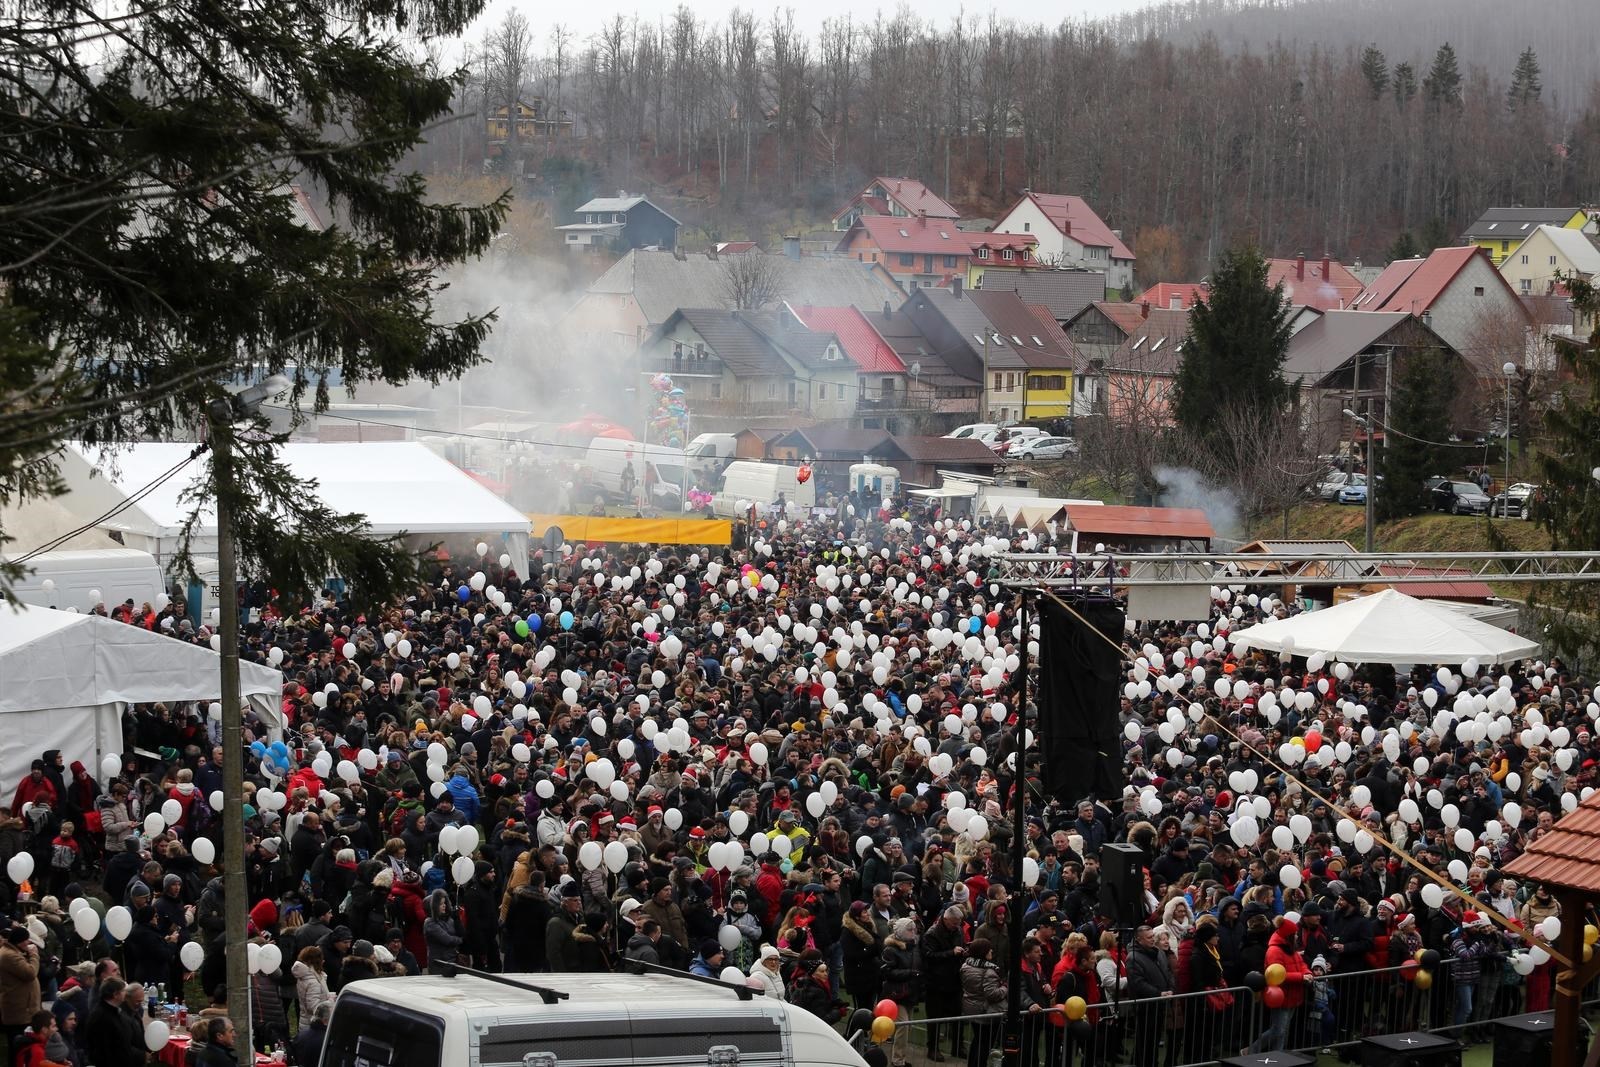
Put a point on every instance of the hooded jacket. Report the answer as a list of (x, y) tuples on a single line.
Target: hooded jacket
[(1281, 950)]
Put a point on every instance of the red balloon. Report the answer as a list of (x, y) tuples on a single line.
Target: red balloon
[(1409, 969), (803, 475), (886, 1009), (1313, 740), (993, 618), (1272, 996)]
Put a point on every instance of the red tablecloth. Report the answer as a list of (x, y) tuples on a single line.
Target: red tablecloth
[(173, 1054)]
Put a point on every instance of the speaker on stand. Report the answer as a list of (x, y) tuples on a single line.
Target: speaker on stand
[(1122, 884)]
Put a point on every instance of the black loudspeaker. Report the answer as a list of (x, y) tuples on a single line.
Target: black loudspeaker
[(1122, 883), (1269, 1059), (1410, 1050), (1524, 1040)]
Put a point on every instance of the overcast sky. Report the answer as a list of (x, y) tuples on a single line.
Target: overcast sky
[(585, 18)]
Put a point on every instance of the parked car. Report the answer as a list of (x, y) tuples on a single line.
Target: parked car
[(1516, 501), (1456, 497), (1355, 492), (982, 431), (1006, 440), (1328, 488), (1042, 448)]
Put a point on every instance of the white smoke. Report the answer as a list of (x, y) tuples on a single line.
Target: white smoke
[(1182, 487)]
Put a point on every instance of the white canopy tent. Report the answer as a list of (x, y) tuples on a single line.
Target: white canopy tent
[(1389, 627), (67, 676), (400, 486)]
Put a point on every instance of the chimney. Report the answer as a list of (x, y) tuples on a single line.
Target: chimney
[(1326, 259), (622, 194), (1144, 309), (1068, 226), (1300, 267), (791, 245), (955, 286), (888, 312)]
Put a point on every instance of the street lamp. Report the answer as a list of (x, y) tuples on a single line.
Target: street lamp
[(1367, 423), (222, 414), (1508, 369)]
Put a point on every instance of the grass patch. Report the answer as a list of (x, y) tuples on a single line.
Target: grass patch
[(1430, 532)]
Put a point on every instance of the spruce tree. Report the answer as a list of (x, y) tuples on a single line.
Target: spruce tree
[(1234, 352), (1568, 503), (1405, 84), (1416, 425), (1375, 68), (158, 254), (1405, 247), (1526, 87), (1443, 83)]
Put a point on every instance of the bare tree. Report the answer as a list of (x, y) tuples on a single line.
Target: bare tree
[(1275, 458), (752, 280), (507, 59)]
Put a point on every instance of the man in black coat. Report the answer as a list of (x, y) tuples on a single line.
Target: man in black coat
[(944, 949), (109, 1039), (308, 1045)]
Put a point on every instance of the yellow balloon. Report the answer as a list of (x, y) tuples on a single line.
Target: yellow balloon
[(1588, 953), (1418, 954), (1298, 741), (1591, 934), (1276, 974), (1423, 979), (882, 1029), (1075, 1008)]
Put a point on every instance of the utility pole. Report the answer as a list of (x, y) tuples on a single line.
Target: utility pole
[(1372, 475), (1011, 1040), (1509, 369), (223, 413), (236, 910)]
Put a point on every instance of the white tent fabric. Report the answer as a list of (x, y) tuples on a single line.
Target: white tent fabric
[(67, 676), (400, 486), (1389, 627)]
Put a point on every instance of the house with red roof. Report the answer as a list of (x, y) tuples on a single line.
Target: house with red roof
[(1174, 296), (1070, 235), (919, 252), (886, 392), (901, 198), (1325, 284), (1458, 293)]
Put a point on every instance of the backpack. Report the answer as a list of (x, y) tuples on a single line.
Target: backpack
[(62, 857)]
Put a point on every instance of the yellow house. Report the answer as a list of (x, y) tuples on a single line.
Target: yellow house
[(1549, 253), (1049, 394), (1501, 229), (533, 120)]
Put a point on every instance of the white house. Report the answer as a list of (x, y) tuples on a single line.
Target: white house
[(1070, 234), (1532, 267)]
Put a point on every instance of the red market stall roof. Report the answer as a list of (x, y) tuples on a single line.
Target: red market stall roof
[(1117, 522), (1568, 856)]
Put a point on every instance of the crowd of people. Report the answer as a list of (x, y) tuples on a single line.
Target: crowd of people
[(792, 764)]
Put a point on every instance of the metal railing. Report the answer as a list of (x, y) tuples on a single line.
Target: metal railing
[(1336, 1013)]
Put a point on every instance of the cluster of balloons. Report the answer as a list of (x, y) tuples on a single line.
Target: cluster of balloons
[(670, 420), (884, 1014)]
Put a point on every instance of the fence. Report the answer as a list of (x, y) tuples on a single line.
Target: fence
[(1184, 1030)]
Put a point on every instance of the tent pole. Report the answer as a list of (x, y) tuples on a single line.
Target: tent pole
[(233, 880)]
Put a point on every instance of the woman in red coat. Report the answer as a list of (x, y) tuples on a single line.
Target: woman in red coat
[(1284, 950)]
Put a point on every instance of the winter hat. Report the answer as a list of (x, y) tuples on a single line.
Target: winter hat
[(570, 890)]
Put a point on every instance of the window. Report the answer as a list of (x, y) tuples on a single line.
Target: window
[(983, 253), (1006, 254), (716, 390), (1524, 261), (699, 350), (1138, 344), (1036, 342), (619, 217), (1552, 261), (822, 390), (1477, 290), (949, 262), (572, 237), (1027, 227), (1011, 382), (1158, 344), (1527, 285), (589, 218), (772, 390), (944, 235), (997, 381), (838, 391), (907, 259), (1505, 246), (903, 232)]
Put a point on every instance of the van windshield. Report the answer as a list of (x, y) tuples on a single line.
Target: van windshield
[(669, 473), (368, 1033)]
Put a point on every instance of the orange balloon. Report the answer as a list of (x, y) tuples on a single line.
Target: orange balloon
[(1275, 974)]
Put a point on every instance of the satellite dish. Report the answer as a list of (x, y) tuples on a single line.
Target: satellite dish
[(915, 368), (553, 539)]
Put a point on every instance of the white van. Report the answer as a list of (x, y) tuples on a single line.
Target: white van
[(981, 431), (591, 1020), (711, 446), (761, 484), (117, 574), (619, 467)]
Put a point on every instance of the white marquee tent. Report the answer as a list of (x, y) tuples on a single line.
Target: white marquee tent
[(67, 676), (400, 486), (1389, 627)]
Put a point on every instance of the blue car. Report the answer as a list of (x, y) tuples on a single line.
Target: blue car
[(1355, 492)]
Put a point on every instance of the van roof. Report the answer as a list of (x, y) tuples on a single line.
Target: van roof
[(469, 994)]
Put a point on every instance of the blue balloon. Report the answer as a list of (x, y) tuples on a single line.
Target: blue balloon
[(566, 620), (258, 748), (463, 594), (975, 625), (535, 622), (280, 749)]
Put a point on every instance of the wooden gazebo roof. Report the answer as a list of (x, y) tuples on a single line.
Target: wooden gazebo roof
[(1568, 857)]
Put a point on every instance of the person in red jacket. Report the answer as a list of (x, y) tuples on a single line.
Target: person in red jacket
[(30, 1045), (1284, 950), (34, 789), (770, 884)]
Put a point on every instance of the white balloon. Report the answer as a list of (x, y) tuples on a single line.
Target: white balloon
[(1432, 895), (615, 855), (1289, 876), (19, 868), (204, 851), (191, 955), (156, 1035), (461, 870), (86, 923), (119, 922), (591, 855)]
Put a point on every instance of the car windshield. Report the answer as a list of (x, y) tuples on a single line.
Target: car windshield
[(1467, 489)]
